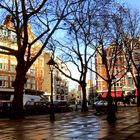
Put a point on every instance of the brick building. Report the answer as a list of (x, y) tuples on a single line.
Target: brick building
[(122, 87), (8, 63), (38, 76)]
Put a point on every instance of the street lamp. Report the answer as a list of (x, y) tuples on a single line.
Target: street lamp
[(51, 63), (114, 78)]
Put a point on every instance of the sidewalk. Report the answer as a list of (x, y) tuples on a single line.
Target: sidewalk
[(74, 126)]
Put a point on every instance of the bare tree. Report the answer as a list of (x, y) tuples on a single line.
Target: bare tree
[(130, 43), (46, 17), (109, 48), (80, 41)]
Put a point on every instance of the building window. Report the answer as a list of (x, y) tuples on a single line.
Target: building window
[(0, 83), (13, 38), (118, 84), (129, 82), (28, 84), (12, 68), (57, 97), (0, 32), (3, 66), (12, 79), (0, 65), (3, 81), (32, 72), (5, 84), (32, 84), (4, 32)]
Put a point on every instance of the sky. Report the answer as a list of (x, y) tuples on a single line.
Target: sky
[(134, 4)]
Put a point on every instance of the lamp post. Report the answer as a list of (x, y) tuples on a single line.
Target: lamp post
[(114, 78), (51, 63)]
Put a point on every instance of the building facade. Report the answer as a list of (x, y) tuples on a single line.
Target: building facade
[(38, 76), (59, 83), (8, 64), (122, 86)]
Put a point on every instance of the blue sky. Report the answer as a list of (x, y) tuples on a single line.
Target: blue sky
[(132, 3)]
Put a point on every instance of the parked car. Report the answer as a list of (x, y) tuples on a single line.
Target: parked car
[(62, 106), (101, 105), (36, 107), (5, 108)]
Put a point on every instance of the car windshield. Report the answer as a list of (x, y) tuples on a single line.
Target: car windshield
[(101, 102), (62, 103)]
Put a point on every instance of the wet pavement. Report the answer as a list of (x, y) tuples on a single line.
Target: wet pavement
[(74, 126)]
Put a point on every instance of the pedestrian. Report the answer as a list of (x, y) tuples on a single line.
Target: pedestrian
[(76, 105)]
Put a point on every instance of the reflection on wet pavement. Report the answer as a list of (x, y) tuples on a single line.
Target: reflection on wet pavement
[(74, 126)]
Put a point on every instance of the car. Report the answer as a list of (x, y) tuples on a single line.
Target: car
[(101, 105), (62, 106), (36, 107), (5, 108)]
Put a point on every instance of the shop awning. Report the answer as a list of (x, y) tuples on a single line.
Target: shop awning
[(118, 94)]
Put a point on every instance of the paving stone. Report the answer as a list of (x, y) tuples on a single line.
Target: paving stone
[(74, 126)]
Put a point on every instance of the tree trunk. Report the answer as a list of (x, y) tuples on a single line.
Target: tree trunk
[(17, 111), (111, 111), (138, 88), (84, 102), (138, 97)]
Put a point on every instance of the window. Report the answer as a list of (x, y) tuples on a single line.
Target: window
[(0, 32), (118, 84), (3, 81), (4, 32), (57, 97), (12, 68), (0, 83), (0, 65), (129, 82), (32, 84), (27, 85), (13, 38), (116, 70), (3, 66), (12, 79), (32, 72)]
